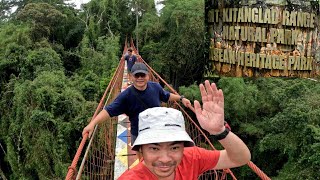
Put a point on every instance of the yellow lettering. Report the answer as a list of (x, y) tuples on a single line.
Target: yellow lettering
[(267, 16), (312, 20), (280, 38), (254, 15), (291, 62), (273, 34), (282, 62), (285, 18), (287, 37), (225, 32), (306, 19), (268, 62), (293, 18), (225, 15), (240, 15), (244, 33), (274, 16), (297, 63), (303, 64), (262, 60), (300, 19), (240, 58), (232, 55), (236, 32), (247, 14), (231, 33), (258, 35), (275, 62)]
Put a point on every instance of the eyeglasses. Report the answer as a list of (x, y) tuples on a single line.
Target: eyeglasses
[(140, 75)]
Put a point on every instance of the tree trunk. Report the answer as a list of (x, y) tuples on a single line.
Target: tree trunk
[(2, 175)]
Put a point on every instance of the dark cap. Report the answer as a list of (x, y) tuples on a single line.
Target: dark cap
[(139, 68)]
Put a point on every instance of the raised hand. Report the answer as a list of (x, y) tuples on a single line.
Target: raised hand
[(211, 115)]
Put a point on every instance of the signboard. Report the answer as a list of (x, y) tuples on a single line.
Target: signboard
[(256, 39)]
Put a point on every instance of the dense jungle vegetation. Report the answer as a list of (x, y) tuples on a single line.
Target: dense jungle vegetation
[(56, 61)]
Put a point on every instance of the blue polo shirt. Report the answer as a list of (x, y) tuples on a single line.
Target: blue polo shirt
[(128, 103), (130, 61)]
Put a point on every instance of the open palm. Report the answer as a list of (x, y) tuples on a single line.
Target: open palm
[(211, 115)]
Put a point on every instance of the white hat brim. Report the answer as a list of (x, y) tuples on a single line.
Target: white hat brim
[(160, 136)]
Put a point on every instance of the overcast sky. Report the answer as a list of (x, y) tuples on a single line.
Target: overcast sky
[(79, 2)]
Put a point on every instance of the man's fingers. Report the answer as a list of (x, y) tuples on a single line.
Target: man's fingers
[(220, 98), (197, 107), (214, 87), (203, 93), (187, 103), (209, 90), (215, 91), (84, 132)]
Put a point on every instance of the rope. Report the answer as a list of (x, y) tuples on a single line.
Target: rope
[(71, 169), (194, 128), (260, 173)]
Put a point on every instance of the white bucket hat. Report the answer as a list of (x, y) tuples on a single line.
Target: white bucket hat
[(161, 124)]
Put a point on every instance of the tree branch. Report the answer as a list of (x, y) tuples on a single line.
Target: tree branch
[(2, 174), (2, 149)]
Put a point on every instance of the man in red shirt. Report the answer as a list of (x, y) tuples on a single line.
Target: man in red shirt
[(168, 151)]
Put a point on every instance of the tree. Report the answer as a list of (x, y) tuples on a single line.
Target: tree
[(43, 17), (46, 114), (182, 41), (14, 45), (44, 59)]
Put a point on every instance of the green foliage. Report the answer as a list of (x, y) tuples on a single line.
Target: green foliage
[(278, 119), (11, 33), (181, 28), (191, 92), (291, 129), (240, 100), (14, 45), (43, 18), (48, 110), (112, 17), (46, 113), (88, 85), (149, 28), (102, 60), (37, 61), (56, 65)]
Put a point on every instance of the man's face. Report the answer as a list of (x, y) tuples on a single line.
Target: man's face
[(162, 158), (140, 80), (130, 52)]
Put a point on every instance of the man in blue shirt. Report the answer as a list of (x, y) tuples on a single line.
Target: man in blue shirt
[(142, 95), (131, 60)]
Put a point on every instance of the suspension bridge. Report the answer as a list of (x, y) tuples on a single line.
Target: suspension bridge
[(108, 153)]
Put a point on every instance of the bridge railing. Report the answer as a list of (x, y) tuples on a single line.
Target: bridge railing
[(99, 157)]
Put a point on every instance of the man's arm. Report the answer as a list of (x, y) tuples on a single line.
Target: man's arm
[(236, 153), (102, 116), (174, 97), (211, 118)]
